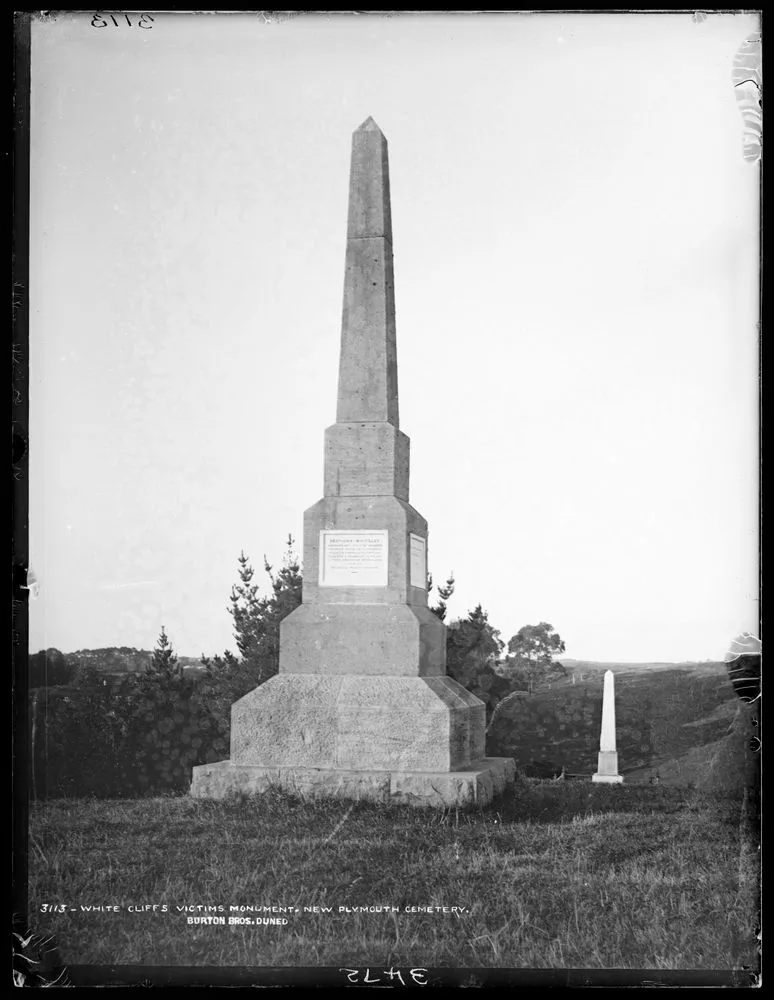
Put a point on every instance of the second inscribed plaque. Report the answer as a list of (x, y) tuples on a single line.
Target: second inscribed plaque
[(418, 561)]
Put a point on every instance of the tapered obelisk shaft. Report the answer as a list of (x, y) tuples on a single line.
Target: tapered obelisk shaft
[(368, 367), (607, 766), (607, 735)]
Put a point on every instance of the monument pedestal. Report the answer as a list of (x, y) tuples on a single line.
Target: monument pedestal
[(415, 740)]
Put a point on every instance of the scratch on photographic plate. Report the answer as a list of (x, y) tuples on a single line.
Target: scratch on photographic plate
[(747, 78)]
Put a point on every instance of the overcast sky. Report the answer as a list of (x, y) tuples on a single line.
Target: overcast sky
[(576, 268)]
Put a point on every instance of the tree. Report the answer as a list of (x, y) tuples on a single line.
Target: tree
[(88, 676), (444, 593), (472, 649), (473, 638), (257, 621), (532, 652), (49, 668), (163, 665), (257, 618)]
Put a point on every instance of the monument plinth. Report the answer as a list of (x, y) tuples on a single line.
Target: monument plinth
[(361, 706), (607, 761)]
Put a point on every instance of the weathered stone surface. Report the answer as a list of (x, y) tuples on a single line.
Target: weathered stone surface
[(468, 728), (366, 459), (397, 639), (360, 722), (396, 723), (289, 720), (368, 379), (369, 184), (475, 786), (368, 367)]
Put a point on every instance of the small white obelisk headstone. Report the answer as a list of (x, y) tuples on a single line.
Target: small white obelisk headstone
[(607, 766)]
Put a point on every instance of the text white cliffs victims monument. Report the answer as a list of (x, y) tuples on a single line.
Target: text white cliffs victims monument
[(361, 706), (607, 763)]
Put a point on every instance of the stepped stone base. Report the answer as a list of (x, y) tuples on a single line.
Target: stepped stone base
[(477, 785), (389, 739), (358, 723)]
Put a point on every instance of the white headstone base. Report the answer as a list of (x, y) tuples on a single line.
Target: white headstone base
[(607, 768)]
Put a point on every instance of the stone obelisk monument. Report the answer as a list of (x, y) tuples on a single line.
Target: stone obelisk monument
[(361, 706), (607, 764)]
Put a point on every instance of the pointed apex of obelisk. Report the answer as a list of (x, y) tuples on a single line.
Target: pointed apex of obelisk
[(369, 184), (369, 125)]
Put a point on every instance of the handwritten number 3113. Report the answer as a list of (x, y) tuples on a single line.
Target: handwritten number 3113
[(98, 21)]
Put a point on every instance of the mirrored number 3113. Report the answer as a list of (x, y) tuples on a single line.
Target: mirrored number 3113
[(144, 21)]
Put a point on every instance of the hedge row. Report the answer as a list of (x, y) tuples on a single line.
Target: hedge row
[(126, 736), (134, 735)]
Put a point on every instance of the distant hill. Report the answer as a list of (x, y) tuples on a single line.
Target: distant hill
[(122, 659), (579, 666), (676, 721)]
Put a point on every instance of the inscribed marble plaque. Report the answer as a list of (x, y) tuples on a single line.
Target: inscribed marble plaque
[(353, 558)]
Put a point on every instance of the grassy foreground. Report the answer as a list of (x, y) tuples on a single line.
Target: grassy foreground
[(572, 875)]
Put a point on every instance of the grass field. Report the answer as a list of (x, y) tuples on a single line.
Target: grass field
[(571, 875)]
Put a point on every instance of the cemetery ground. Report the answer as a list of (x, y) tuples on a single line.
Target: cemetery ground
[(552, 875)]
